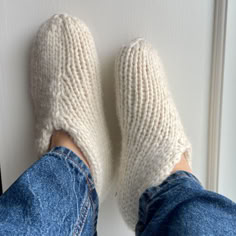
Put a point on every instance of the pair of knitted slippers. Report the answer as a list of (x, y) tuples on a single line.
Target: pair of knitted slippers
[(66, 90)]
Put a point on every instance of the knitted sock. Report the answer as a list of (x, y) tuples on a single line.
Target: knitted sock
[(66, 91), (153, 138)]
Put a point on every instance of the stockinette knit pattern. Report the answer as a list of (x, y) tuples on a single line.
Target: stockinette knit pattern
[(66, 91), (153, 138)]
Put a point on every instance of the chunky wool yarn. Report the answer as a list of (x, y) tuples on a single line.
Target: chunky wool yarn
[(66, 91), (153, 139)]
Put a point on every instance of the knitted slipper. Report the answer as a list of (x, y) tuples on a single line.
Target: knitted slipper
[(153, 138), (66, 91)]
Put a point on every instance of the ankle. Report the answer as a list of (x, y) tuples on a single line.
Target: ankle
[(182, 165), (61, 138)]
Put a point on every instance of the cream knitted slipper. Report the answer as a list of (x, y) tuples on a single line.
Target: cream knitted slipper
[(65, 87), (153, 138)]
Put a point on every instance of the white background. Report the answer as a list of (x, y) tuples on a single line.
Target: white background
[(181, 30)]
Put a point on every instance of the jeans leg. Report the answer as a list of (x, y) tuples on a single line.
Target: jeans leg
[(56, 196), (181, 206)]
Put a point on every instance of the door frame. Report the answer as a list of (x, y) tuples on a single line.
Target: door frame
[(216, 93)]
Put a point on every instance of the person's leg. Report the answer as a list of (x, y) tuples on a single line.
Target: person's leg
[(153, 139), (181, 206), (66, 91), (157, 193), (62, 139), (182, 165), (55, 196)]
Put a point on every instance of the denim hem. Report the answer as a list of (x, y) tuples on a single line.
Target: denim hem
[(55, 196), (180, 174), (168, 181), (181, 206), (76, 161)]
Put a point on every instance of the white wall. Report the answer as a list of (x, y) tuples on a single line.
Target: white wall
[(227, 173), (180, 29)]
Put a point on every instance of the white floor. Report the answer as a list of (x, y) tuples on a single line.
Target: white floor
[(180, 30)]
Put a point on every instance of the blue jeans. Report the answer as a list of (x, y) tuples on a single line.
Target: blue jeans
[(56, 196)]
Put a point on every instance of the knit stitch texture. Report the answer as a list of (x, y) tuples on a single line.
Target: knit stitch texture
[(66, 91), (153, 138)]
